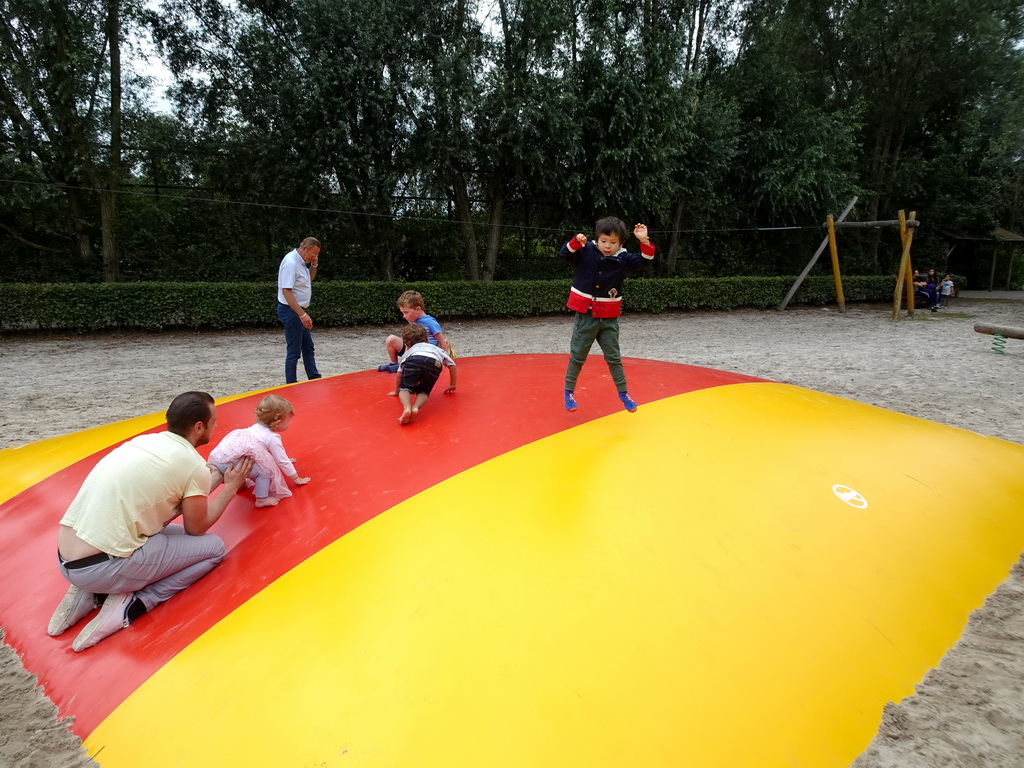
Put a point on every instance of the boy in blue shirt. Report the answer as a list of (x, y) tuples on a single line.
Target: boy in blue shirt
[(413, 309), (596, 298)]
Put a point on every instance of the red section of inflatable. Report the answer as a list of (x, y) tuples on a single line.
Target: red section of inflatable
[(346, 437)]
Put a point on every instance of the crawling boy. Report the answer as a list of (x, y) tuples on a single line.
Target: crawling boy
[(418, 370)]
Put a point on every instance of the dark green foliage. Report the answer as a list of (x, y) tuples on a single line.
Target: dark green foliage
[(466, 140), (92, 306)]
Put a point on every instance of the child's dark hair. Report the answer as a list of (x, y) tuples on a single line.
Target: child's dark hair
[(413, 333), (610, 225)]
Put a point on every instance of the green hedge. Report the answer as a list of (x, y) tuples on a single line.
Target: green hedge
[(93, 306)]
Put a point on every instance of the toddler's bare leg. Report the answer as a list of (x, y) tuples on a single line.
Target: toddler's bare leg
[(405, 398), (421, 400)]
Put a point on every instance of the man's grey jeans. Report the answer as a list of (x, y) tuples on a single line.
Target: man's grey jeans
[(167, 563)]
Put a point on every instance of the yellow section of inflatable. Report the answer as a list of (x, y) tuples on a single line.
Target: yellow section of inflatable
[(28, 464), (739, 576)]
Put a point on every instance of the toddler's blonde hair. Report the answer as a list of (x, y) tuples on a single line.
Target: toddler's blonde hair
[(272, 409)]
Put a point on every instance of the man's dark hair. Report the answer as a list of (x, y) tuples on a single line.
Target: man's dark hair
[(610, 225), (186, 410)]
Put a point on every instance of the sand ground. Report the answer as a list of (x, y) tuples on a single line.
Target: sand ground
[(968, 712)]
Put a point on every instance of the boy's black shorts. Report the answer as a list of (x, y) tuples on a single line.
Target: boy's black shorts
[(419, 374)]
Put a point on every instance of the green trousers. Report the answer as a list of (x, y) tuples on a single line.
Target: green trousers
[(585, 331)]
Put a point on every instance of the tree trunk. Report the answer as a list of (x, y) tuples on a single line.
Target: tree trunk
[(465, 217), (672, 249), (384, 252), (108, 232), (108, 194), (494, 220), (83, 238)]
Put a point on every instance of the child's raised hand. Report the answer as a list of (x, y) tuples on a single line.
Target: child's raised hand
[(581, 239), (640, 230)]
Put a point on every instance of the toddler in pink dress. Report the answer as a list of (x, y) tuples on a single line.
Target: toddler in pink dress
[(261, 442)]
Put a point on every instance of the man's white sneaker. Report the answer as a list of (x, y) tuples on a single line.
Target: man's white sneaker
[(75, 606), (112, 617)]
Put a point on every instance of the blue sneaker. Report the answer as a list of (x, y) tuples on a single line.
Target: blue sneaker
[(627, 401), (570, 401), (388, 368)]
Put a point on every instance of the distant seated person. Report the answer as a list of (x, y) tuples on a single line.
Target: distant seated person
[(928, 289)]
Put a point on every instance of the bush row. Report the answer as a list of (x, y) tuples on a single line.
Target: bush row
[(92, 306)]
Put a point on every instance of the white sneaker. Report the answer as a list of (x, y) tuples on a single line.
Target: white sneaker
[(75, 606), (112, 617)]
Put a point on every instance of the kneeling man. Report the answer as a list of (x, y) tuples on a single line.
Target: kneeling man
[(115, 545)]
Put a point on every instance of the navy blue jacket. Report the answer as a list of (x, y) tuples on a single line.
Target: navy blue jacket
[(597, 284)]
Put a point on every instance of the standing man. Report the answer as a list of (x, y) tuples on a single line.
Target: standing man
[(115, 545), (294, 290)]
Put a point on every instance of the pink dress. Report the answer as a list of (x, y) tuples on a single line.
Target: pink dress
[(243, 442)]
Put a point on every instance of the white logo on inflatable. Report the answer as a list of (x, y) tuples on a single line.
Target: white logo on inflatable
[(850, 496)]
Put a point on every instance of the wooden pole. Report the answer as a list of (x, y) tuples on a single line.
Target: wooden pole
[(906, 273), (910, 261), (901, 276), (814, 259), (835, 263), (873, 224)]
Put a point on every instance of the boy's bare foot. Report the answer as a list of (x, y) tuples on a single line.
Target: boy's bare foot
[(415, 411), (406, 416), (270, 501)]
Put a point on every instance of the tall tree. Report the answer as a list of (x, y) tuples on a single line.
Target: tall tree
[(441, 102), (311, 92), (60, 92), (919, 69), (527, 124)]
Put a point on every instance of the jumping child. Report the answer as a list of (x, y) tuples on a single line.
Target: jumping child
[(262, 442), (596, 298), (418, 370)]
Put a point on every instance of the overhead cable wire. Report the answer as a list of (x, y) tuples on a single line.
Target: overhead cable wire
[(396, 217)]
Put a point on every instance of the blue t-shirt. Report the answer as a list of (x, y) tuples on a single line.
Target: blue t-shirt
[(433, 328)]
